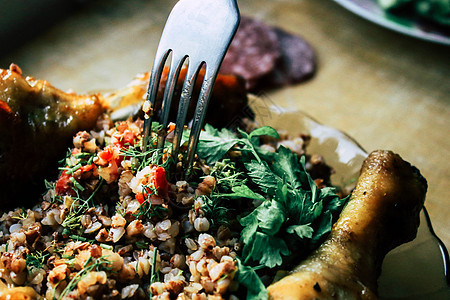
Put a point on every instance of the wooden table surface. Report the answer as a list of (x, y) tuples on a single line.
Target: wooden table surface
[(387, 90)]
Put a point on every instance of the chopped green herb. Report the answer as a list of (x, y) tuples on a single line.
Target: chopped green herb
[(76, 184), (150, 157), (247, 277), (23, 214), (292, 217), (35, 260), (214, 144), (78, 238), (74, 168), (105, 246), (142, 245), (92, 264), (78, 207)]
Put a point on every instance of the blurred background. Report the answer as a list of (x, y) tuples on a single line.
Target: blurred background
[(386, 89)]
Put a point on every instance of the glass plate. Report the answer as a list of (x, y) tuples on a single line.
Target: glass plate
[(415, 270), (369, 10)]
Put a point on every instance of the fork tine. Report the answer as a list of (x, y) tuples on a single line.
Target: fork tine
[(155, 77), (200, 112), (186, 95), (169, 90), (201, 30)]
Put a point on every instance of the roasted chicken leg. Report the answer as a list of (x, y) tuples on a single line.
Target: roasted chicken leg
[(382, 213), (37, 123)]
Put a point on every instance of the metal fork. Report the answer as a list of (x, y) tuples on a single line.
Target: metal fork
[(199, 31)]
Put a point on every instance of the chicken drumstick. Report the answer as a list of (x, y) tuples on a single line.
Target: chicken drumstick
[(382, 213)]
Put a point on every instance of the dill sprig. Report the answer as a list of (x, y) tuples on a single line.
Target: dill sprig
[(151, 156), (146, 158), (227, 175), (91, 264), (78, 207), (50, 191), (216, 213), (146, 207), (120, 208), (35, 260), (23, 214)]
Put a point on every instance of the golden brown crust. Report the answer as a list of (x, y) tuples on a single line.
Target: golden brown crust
[(37, 123)]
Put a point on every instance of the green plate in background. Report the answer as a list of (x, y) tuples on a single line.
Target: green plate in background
[(369, 10)]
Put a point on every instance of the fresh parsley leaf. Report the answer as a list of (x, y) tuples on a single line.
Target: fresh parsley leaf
[(243, 191), (214, 144), (266, 249), (332, 202), (250, 224), (324, 227), (247, 276), (297, 212), (287, 166), (258, 234), (293, 216), (271, 215), (265, 130), (303, 231), (261, 174)]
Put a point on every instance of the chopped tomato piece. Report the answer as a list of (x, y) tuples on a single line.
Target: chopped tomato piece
[(160, 181), (156, 178), (140, 198), (128, 137), (171, 127), (87, 168), (107, 154), (64, 185), (123, 139)]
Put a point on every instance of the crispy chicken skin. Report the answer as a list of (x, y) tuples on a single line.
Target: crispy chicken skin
[(37, 123), (383, 212)]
